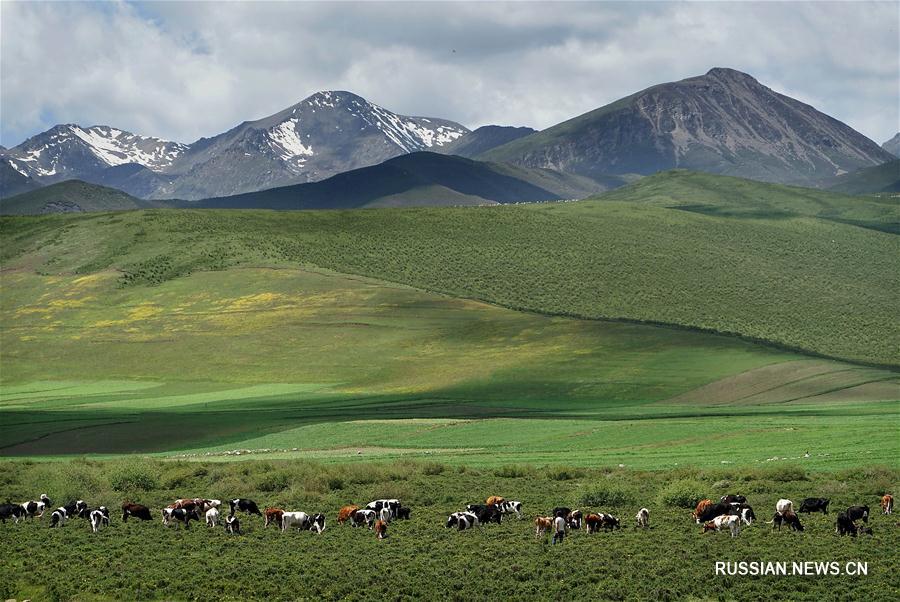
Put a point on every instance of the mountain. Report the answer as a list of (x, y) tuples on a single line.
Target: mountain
[(13, 182), (893, 145), (723, 122), (325, 134), (881, 178), (416, 179), (72, 196), (484, 139)]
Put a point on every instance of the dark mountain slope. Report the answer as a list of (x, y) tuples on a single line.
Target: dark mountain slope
[(484, 139)]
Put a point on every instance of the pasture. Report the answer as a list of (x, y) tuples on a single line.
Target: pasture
[(421, 559)]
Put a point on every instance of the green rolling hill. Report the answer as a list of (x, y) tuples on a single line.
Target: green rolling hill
[(73, 196), (883, 178)]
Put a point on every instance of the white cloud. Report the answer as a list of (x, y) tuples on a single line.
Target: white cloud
[(185, 70)]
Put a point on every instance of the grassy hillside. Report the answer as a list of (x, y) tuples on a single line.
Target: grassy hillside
[(881, 178), (423, 560), (813, 283), (417, 179), (72, 196)]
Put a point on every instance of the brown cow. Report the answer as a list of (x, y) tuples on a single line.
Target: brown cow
[(593, 522), (495, 499), (380, 529), (136, 510), (542, 524), (702, 507), (346, 513), (273, 516), (887, 504), (187, 504)]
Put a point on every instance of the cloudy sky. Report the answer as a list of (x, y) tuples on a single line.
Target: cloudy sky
[(185, 70)]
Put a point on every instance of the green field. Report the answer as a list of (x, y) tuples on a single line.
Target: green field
[(421, 559)]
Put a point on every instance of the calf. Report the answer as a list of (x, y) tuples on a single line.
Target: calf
[(713, 511), (642, 518), (845, 526), (232, 525), (733, 499), (212, 517), (858, 512), (344, 514), (273, 516), (542, 524), (887, 504), (180, 515), (702, 506), (380, 529), (99, 517), (13, 511), (509, 507), (362, 517), (814, 504), (732, 523), (244, 505), (135, 510), (485, 514), (789, 518)]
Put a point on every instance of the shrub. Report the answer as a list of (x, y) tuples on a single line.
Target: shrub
[(682, 494), (433, 468), (606, 494), (134, 477), (273, 481)]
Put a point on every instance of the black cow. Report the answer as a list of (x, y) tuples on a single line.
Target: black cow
[(244, 505), (814, 504), (844, 525), (562, 511), (788, 518), (733, 499), (403, 513), (720, 509), (135, 510), (75, 508), (485, 514), (13, 511), (858, 512)]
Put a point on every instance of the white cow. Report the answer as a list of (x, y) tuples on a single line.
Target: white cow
[(212, 517), (643, 518), (784, 506), (728, 521)]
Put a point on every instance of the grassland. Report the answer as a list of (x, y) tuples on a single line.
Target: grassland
[(421, 559), (826, 284)]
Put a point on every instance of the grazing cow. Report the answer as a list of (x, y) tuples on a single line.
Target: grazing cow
[(180, 515), (212, 517), (362, 517), (485, 514), (732, 523), (189, 504), (135, 510), (610, 522), (814, 504), (303, 521), (845, 526), (385, 514), (702, 505), (789, 518), (561, 511), (344, 514), (462, 520), (33, 508), (642, 518), (745, 512), (59, 517), (887, 504), (542, 524), (244, 505), (784, 506), (403, 513), (206, 505), (99, 517), (713, 511), (273, 516), (494, 500), (559, 529), (575, 519), (733, 499), (858, 512), (380, 529), (593, 522), (509, 507), (393, 505), (13, 511), (232, 525)]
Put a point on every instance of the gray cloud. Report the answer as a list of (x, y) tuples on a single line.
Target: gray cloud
[(186, 70)]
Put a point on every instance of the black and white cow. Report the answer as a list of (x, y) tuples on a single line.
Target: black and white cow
[(510, 507), (486, 514), (244, 505), (362, 517), (303, 521), (462, 520), (733, 499), (99, 517), (74, 508), (59, 517), (858, 513), (180, 515), (232, 525), (393, 505), (744, 512), (36, 508), (13, 511), (814, 504)]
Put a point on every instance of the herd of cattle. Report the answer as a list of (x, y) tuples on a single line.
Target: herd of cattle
[(728, 514)]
